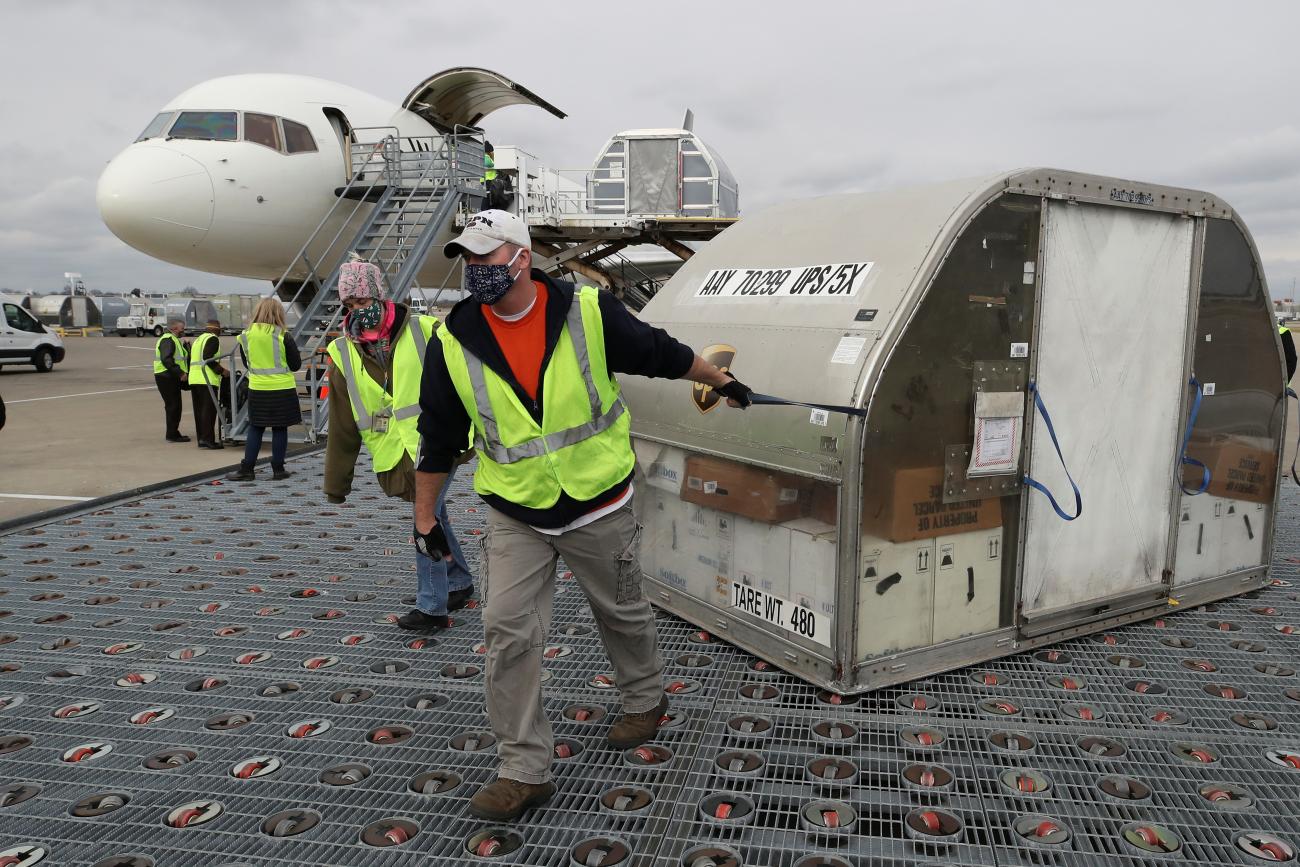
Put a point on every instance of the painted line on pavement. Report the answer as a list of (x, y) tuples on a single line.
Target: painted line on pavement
[(82, 394), (45, 497)]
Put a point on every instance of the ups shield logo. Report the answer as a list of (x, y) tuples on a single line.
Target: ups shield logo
[(721, 356)]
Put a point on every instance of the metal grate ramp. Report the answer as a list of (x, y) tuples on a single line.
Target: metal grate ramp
[(210, 676)]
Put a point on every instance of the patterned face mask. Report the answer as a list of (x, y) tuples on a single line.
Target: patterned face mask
[(368, 318), (490, 283)]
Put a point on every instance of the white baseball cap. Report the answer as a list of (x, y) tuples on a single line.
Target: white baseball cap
[(487, 230)]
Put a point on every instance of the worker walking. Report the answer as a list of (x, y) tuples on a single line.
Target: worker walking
[(171, 367), (271, 357), (206, 374), (374, 376), (526, 365)]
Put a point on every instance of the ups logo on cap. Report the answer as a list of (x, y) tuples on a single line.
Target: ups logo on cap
[(721, 356)]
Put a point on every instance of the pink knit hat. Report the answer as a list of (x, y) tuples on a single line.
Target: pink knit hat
[(360, 279)]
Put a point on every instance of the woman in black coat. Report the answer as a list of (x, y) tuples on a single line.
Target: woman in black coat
[(276, 409)]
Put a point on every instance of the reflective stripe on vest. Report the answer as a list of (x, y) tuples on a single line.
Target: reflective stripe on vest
[(263, 347), (581, 446), (203, 372), (490, 443), (179, 355), (386, 447)]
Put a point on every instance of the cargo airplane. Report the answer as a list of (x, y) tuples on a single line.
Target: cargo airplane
[(234, 174)]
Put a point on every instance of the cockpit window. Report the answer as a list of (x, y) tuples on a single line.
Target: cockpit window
[(157, 126), (262, 129), (297, 138), (207, 125)]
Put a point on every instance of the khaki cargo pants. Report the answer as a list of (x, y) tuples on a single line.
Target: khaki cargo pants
[(518, 586)]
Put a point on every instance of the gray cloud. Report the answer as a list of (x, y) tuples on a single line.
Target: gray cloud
[(802, 99)]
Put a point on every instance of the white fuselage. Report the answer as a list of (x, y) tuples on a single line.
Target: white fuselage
[(229, 205)]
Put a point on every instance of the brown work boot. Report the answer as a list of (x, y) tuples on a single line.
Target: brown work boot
[(634, 729), (507, 799)]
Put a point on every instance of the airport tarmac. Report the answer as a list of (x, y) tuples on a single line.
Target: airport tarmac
[(93, 426)]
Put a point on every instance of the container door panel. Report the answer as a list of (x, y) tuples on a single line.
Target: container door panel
[(1110, 370)]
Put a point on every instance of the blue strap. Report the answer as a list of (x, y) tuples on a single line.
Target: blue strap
[(1187, 437), (1051, 431), (1296, 453)]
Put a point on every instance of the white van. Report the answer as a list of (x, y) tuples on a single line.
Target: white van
[(24, 340)]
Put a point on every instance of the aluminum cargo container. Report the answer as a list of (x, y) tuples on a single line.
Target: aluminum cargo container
[(940, 527)]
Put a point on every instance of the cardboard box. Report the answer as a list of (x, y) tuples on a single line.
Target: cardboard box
[(826, 503), (753, 492), (663, 466), (896, 596), (967, 584), (761, 557), (813, 556), (1241, 468), (912, 507)]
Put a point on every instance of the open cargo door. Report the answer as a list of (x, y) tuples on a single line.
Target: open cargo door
[(1112, 325), (464, 95)]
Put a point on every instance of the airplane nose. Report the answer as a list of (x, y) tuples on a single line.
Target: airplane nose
[(156, 199)]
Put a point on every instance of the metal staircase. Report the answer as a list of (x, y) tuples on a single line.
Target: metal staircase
[(403, 193)]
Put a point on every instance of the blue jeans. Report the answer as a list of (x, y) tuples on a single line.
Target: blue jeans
[(435, 579), (279, 445)]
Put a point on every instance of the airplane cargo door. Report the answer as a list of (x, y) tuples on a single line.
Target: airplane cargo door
[(1110, 371)]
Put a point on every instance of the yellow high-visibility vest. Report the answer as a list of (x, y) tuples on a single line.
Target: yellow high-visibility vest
[(202, 372), (182, 359), (582, 446), (387, 422), (263, 346)]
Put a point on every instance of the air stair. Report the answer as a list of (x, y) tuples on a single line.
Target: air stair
[(403, 193)]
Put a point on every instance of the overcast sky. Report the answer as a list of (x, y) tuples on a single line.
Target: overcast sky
[(802, 99)]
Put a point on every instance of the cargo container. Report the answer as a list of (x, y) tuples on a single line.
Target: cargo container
[(983, 336)]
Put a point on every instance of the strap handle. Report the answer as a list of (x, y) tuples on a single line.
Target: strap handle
[(1051, 430), (1187, 437), (771, 400)]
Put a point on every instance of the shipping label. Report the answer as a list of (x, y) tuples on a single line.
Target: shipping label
[(782, 613), (810, 282)]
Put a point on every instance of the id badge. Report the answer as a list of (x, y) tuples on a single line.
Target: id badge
[(379, 424)]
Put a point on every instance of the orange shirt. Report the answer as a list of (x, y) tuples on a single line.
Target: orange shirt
[(523, 342)]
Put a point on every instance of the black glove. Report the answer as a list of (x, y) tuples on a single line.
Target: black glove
[(432, 544), (737, 391)]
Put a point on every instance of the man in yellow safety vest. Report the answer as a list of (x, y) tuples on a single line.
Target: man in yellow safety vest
[(374, 376), (526, 365), (206, 374), (171, 368)]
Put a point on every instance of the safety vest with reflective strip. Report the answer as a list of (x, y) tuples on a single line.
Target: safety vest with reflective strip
[(581, 448), (369, 399), (182, 360), (263, 347), (489, 169), (202, 372), (1282, 329)]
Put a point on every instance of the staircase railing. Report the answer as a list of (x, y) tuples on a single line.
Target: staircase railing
[(412, 188)]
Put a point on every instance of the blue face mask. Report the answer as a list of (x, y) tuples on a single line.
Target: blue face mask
[(488, 284)]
